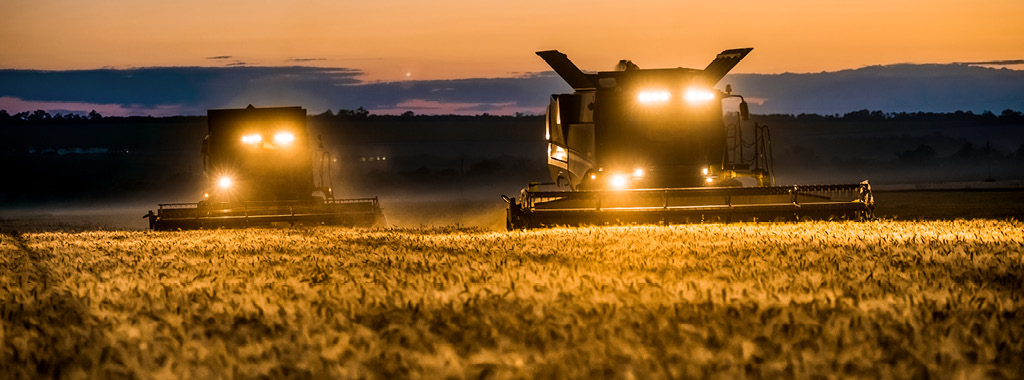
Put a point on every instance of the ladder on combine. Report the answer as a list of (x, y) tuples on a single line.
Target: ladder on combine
[(753, 159)]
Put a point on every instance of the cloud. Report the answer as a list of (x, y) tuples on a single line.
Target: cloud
[(193, 90), (306, 59), (220, 57), (15, 105), (892, 88), (1007, 62), (433, 107)]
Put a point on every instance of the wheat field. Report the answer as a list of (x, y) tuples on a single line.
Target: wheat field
[(885, 299)]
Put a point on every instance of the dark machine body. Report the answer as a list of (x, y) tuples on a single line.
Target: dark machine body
[(259, 169), (655, 146)]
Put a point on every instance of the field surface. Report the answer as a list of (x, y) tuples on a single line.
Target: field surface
[(926, 299)]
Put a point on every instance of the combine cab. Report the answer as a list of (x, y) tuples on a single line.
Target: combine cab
[(654, 146), (260, 170)]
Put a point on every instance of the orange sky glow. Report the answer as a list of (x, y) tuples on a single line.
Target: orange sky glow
[(450, 39)]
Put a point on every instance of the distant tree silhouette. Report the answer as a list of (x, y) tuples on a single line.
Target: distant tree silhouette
[(1011, 116), (967, 151), (408, 114), (93, 115), (865, 115), (922, 153), (359, 113), (38, 115)]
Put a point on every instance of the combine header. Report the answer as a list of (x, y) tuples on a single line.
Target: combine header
[(260, 170), (654, 146)]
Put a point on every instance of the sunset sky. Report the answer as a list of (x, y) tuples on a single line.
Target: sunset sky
[(448, 39)]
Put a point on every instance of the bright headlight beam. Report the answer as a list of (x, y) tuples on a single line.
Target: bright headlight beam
[(252, 138), (618, 181), (224, 182), (656, 96), (559, 153), (696, 95), (284, 137)]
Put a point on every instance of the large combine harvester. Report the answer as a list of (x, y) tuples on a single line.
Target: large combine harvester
[(655, 146), (260, 169)]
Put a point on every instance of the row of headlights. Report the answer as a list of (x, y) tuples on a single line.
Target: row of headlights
[(692, 95), (280, 137), (620, 180)]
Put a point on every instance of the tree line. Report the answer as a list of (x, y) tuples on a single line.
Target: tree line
[(1007, 116)]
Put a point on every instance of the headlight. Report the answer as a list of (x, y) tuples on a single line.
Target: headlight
[(709, 177), (252, 138), (638, 173), (224, 182), (657, 96), (284, 137), (618, 181), (698, 95), (558, 153)]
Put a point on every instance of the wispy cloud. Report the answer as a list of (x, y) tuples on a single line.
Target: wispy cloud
[(1006, 62), (433, 107), (306, 59), (220, 57), (15, 105)]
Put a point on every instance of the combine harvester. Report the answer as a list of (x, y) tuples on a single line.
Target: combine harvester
[(260, 170), (654, 146)]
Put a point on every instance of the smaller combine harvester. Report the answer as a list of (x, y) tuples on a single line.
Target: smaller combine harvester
[(260, 170), (654, 146)]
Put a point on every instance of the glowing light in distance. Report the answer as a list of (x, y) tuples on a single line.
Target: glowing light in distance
[(618, 181), (224, 182), (558, 153), (710, 180), (697, 95), (704, 171), (252, 138), (284, 137), (638, 173), (593, 176), (657, 96)]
